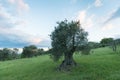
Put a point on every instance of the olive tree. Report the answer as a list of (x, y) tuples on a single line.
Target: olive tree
[(66, 39)]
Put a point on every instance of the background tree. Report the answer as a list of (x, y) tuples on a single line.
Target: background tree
[(40, 52), (110, 42), (66, 39), (6, 53), (1, 55), (29, 51), (106, 41), (114, 45), (14, 53), (117, 41)]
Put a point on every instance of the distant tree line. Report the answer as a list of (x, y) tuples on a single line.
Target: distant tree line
[(8, 54), (31, 51), (105, 42), (28, 52), (112, 43)]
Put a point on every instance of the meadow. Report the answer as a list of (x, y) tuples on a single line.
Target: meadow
[(102, 64)]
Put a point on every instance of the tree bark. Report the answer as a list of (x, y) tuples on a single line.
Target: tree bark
[(68, 62)]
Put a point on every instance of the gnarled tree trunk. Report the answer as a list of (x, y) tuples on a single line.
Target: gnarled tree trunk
[(68, 62)]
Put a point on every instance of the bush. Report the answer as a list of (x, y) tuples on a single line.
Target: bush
[(86, 50)]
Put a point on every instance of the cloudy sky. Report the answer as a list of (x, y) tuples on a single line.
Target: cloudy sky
[(25, 22)]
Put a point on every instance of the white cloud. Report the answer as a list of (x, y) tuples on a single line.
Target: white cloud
[(98, 3), (19, 36), (21, 23), (4, 14), (85, 20), (89, 22), (114, 14), (112, 27), (6, 19), (81, 16), (21, 5), (116, 36), (10, 21), (108, 26), (1, 7), (110, 17), (9, 25)]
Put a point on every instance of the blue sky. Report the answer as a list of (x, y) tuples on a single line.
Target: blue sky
[(26, 22)]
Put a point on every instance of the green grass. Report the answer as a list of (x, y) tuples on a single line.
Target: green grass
[(102, 64)]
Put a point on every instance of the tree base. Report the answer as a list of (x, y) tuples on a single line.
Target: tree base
[(67, 65)]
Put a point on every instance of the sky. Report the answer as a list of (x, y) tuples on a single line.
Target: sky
[(30, 22)]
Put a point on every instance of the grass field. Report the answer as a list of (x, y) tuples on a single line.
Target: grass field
[(102, 64)]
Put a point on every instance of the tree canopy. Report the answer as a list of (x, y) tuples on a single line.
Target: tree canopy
[(8, 54), (106, 41), (29, 51)]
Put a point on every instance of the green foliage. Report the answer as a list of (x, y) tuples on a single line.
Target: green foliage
[(106, 41), (1, 55), (67, 37), (86, 49), (40, 52), (8, 54), (94, 45), (103, 64), (112, 43), (117, 41), (29, 51), (115, 44)]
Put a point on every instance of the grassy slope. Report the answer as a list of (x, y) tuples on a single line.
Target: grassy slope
[(103, 64)]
